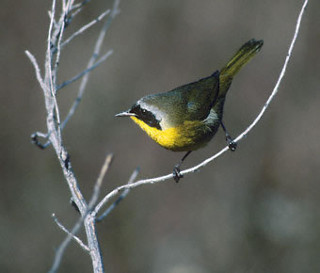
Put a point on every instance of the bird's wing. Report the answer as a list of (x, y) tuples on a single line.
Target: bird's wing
[(193, 101)]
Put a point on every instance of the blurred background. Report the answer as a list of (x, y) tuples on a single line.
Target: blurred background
[(254, 210)]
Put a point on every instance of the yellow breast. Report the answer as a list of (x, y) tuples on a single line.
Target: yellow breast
[(189, 136)]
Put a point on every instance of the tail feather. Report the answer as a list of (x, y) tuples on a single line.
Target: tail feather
[(243, 55)]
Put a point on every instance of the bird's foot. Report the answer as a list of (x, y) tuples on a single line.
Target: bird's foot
[(231, 143), (176, 173)]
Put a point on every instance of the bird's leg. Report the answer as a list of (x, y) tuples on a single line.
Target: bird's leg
[(176, 170), (231, 143)]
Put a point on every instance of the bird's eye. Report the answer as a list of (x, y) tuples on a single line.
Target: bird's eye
[(143, 111)]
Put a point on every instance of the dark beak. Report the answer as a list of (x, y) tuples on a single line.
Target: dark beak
[(125, 114)]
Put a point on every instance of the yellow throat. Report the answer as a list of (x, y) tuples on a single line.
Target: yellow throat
[(184, 137)]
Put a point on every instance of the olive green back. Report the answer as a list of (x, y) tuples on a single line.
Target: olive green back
[(192, 101)]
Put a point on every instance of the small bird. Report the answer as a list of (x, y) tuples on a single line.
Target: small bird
[(187, 117)]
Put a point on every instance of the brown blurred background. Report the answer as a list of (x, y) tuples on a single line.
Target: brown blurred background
[(255, 210)]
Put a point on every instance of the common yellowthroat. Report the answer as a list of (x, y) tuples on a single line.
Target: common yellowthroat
[(187, 117)]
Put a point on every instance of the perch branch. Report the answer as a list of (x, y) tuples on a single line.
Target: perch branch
[(120, 198)]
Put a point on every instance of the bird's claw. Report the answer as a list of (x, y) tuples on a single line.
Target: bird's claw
[(176, 174), (232, 144)]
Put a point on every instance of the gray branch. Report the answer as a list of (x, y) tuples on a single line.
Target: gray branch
[(84, 72), (120, 198), (84, 28), (48, 84), (74, 237), (87, 218)]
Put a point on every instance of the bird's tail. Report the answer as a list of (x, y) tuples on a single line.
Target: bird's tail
[(243, 55)]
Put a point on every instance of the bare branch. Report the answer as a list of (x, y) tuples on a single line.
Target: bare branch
[(36, 68), (79, 5), (58, 53), (49, 44), (120, 198), (96, 51), (275, 90), (282, 73), (113, 193), (81, 74), (48, 84), (79, 97), (61, 249), (97, 187), (64, 244), (85, 27), (77, 239), (49, 76)]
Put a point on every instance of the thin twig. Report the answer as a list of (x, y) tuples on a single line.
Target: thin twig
[(97, 187), (120, 198), (222, 151), (74, 237), (49, 44), (81, 74), (84, 28), (51, 84), (48, 85), (61, 249), (59, 31), (96, 51), (79, 5), (64, 244), (283, 71), (68, 6), (58, 52), (36, 68)]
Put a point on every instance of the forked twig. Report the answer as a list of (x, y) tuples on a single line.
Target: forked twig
[(71, 234), (84, 28), (119, 199), (96, 51), (74, 237), (80, 75), (48, 84)]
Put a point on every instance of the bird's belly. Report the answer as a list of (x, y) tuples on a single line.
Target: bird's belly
[(189, 136)]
